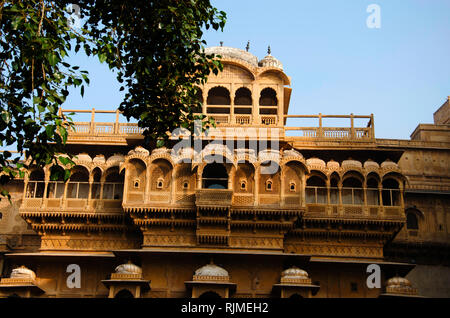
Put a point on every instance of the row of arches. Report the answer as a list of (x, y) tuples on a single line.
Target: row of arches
[(220, 95), (160, 176), (353, 189), (242, 101), (82, 184)]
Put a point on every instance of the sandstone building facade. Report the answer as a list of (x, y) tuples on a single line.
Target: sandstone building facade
[(259, 207)]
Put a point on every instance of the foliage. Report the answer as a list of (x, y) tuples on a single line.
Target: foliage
[(155, 46)]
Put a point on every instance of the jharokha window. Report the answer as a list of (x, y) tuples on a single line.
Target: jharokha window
[(215, 176)]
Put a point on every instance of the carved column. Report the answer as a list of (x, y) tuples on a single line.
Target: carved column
[(380, 198), (341, 208), (255, 105), (147, 183), (303, 203), (89, 200), (44, 196), (256, 193), (173, 185), (126, 185), (232, 94), (366, 209), (328, 185)]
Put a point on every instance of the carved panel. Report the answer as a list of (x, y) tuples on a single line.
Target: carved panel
[(169, 240), (256, 242)]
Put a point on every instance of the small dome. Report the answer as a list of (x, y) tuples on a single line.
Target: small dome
[(315, 162), (389, 164), (23, 272), (128, 268), (292, 153), (333, 165), (161, 150), (244, 152), (270, 61), (396, 282), (115, 159), (211, 270), (140, 150), (99, 159), (294, 273), (400, 285), (83, 157), (351, 163), (370, 164), (233, 53)]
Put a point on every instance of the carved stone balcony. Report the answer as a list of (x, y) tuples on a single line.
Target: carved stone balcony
[(212, 198), (354, 211)]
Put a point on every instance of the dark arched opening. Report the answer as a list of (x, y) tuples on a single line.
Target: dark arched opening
[(55, 188), (113, 186), (78, 187), (36, 184), (412, 223), (391, 193), (316, 191), (352, 192), (215, 176), (268, 97), (243, 96), (372, 192), (219, 96)]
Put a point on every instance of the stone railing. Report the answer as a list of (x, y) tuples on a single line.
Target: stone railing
[(214, 197), (122, 130)]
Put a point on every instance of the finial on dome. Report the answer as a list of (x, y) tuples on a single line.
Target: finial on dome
[(269, 50), (221, 43), (248, 46)]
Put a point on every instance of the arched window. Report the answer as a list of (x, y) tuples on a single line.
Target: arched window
[(215, 176), (292, 186), (113, 186), (316, 191), (96, 178), (334, 188), (160, 183), (412, 223), (352, 192), (373, 197), (78, 186), (391, 193), (219, 96), (55, 188), (269, 185), (36, 184), (268, 97), (243, 96)]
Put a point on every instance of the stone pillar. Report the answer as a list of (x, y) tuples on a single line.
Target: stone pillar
[(147, 185), (256, 193), (91, 180), (255, 105)]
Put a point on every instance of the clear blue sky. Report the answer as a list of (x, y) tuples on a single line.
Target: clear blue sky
[(400, 72)]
